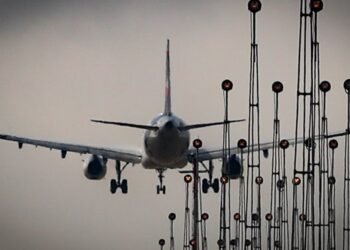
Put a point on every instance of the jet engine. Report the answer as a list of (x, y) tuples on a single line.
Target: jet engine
[(233, 168), (95, 167)]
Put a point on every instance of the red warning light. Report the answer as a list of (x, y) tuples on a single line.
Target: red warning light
[(259, 180), (221, 242), (255, 217), (224, 179), (277, 87), (197, 143), (254, 6), (172, 216), (284, 144), (302, 217), (193, 242), (316, 5), (268, 217), (331, 180), (205, 216), (280, 184), (325, 86), (161, 242), (226, 85), (188, 178), (242, 143), (347, 86), (333, 144), (296, 181)]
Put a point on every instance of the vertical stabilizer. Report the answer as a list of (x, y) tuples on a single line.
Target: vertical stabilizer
[(167, 109)]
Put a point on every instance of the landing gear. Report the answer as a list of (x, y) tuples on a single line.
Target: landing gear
[(210, 183), (119, 183), (161, 187), (214, 184)]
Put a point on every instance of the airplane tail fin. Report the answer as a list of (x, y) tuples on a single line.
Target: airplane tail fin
[(167, 107)]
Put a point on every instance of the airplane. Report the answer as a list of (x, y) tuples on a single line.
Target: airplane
[(166, 146)]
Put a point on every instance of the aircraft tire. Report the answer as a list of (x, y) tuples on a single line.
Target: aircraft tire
[(124, 186), (216, 185), (205, 186), (113, 187)]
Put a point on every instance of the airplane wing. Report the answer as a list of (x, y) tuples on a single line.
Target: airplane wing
[(130, 156), (205, 155)]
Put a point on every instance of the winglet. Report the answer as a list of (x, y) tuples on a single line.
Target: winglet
[(167, 108)]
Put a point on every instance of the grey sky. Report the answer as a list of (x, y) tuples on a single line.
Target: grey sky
[(65, 62)]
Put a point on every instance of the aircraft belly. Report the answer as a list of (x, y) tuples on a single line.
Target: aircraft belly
[(167, 152)]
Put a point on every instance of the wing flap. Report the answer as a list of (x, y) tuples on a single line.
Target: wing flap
[(116, 154)]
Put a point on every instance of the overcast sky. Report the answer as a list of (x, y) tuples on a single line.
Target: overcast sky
[(65, 62)]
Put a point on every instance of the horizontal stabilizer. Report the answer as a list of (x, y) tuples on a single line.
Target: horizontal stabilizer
[(147, 127), (202, 125)]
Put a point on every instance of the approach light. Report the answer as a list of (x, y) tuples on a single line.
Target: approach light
[(226, 85), (333, 144), (268, 217), (193, 242), (284, 144), (242, 143), (347, 86), (302, 217), (224, 179), (296, 181), (188, 178), (316, 5), (254, 6), (233, 242), (277, 244), (221, 242), (237, 216), (325, 86), (259, 180), (277, 87), (280, 184), (255, 217), (172, 216), (331, 180), (197, 143), (161, 242), (309, 143), (205, 216)]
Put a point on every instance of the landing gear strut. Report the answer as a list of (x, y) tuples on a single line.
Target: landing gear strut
[(119, 183), (161, 187)]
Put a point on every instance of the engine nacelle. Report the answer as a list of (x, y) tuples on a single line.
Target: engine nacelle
[(95, 167), (233, 168)]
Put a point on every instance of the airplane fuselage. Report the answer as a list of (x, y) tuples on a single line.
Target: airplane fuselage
[(166, 147)]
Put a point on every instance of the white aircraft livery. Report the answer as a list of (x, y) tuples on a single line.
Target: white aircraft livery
[(166, 146)]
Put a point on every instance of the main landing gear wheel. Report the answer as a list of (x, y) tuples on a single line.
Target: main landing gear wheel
[(161, 187), (124, 186), (216, 186), (114, 186), (206, 184), (119, 183), (210, 183)]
